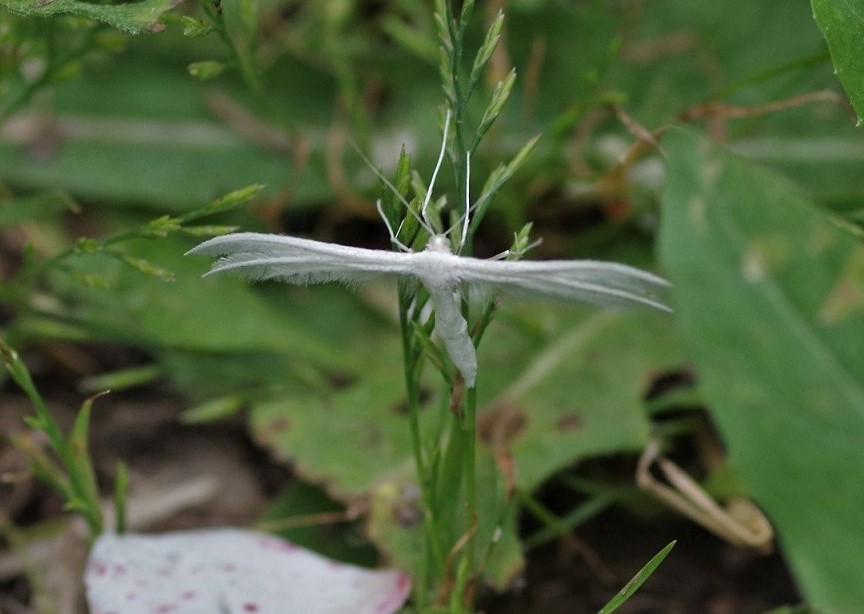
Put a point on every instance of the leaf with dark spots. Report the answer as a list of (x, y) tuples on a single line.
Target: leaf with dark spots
[(572, 421)]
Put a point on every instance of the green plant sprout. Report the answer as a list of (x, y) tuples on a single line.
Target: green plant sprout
[(18, 290), (240, 48), (450, 282), (68, 469)]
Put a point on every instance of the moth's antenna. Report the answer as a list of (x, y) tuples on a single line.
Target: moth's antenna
[(393, 189), (467, 215), (437, 166)]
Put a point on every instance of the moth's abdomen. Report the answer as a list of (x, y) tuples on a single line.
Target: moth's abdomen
[(452, 329)]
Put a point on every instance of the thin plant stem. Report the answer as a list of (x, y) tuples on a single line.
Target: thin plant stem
[(470, 433), (459, 104), (433, 556), (243, 59), (465, 572)]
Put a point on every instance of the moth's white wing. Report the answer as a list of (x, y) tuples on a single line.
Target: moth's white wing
[(301, 261), (588, 281), (263, 256)]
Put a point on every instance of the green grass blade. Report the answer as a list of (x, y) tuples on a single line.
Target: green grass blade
[(637, 581)]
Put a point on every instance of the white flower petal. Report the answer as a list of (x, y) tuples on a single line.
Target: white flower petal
[(231, 571)]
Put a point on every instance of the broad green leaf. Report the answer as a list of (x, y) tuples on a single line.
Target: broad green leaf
[(842, 25), (576, 389), (139, 132), (826, 166), (133, 17), (770, 299), (162, 175), (559, 387), (351, 439), (357, 443)]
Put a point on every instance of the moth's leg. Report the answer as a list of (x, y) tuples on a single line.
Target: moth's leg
[(518, 253), (393, 238)]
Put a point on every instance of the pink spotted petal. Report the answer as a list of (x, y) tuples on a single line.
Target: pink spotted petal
[(231, 571)]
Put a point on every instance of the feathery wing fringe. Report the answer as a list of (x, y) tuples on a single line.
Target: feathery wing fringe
[(258, 257), (599, 283), (303, 261)]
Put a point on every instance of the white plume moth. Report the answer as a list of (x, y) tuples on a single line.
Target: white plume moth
[(443, 273)]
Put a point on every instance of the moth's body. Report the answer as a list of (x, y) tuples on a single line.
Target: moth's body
[(435, 264), (436, 267), (443, 273)]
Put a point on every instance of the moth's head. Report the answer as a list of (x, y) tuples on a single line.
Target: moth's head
[(439, 243)]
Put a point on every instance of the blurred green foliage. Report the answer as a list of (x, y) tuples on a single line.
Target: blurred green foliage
[(106, 132), (771, 300)]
